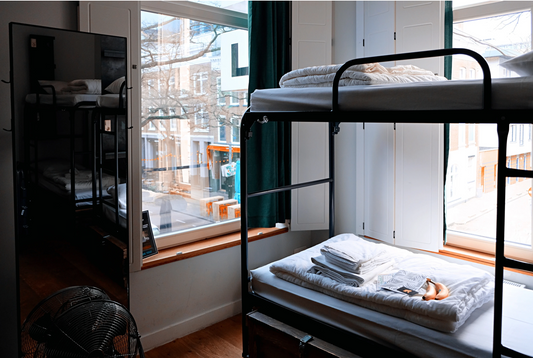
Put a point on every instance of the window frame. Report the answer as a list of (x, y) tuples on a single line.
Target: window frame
[(477, 242), (201, 13)]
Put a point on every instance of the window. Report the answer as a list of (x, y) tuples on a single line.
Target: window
[(503, 33), (187, 176)]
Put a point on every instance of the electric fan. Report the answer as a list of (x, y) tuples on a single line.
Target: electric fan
[(80, 322)]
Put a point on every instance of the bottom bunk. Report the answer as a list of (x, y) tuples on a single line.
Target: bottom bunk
[(366, 331)]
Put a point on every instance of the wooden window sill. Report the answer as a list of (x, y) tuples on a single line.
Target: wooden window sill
[(474, 256), (202, 247)]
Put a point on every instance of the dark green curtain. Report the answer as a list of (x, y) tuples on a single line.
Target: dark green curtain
[(269, 148), (448, 43)]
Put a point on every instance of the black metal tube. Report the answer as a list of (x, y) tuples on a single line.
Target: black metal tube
[(288, 187), (487, 94), (503, 130), (244, 237), (331, 137)]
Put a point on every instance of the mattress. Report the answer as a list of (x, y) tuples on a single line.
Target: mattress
[(507, 93), (83, 195), (108, 101), (472, 339), (64, 100)]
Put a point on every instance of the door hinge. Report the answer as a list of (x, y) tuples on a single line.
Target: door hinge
[(394, 234), (394, 35), (363, 226), (363, 42)]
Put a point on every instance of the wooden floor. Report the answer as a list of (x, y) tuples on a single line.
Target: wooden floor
[(222, 340)]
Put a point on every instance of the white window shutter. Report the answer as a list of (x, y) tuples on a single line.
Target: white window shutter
[(122, 18), (419, 186), (420, 27), (311, 46), (379, 181)]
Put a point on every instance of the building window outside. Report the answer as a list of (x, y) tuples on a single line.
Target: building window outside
[(185, 155), (471, 214)]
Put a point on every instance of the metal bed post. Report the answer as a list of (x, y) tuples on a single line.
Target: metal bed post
[(333, 129), (244, 133), (501, 261)]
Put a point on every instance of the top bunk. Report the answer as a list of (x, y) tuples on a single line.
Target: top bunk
[(447, 101)]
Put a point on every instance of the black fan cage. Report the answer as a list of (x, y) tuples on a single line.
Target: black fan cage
[(38, 325), (101, 328)]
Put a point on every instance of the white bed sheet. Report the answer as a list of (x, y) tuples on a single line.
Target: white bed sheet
[(507, 93), (108, 101), (81, 193), (64, 100), (472, 339)]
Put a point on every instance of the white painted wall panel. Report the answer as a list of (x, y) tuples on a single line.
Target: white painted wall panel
[(419, 182), (379, 181), (311, 46), (420, 27)]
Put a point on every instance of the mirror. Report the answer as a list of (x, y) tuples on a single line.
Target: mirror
[(70, 148)]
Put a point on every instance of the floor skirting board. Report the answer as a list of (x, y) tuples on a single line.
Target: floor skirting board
[(189, 325)]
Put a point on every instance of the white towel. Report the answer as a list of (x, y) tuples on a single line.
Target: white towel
[(356, 256), (324, 268)]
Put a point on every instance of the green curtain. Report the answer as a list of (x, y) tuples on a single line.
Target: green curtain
[(268, 159), (448, 43)]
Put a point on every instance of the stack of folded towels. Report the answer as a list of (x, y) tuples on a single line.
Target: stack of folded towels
[(351, 262)]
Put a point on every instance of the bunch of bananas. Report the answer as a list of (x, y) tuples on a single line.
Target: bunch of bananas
[(435, 291)]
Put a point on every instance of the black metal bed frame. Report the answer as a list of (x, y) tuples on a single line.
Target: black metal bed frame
[(502, 118), (100, 115)]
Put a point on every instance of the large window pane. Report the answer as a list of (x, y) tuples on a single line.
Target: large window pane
[(192, 103), (473, 158), (496, 38)]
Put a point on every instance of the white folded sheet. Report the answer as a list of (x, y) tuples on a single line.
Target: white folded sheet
[(469, 287), (323, 267), (366, 74), (357, 257), (84, 86)]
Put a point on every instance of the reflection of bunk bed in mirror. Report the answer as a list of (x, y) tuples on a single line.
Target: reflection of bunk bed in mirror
[(60, 143), (110, 143), (372, 328)]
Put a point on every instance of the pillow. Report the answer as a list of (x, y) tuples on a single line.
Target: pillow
[(523, 64), (58, 86), (115, 86)]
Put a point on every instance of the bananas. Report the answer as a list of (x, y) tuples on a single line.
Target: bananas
[(431, 291), (435, 291)]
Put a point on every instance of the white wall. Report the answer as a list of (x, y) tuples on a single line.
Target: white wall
[(176, 299), (344, 49), (53, 14)]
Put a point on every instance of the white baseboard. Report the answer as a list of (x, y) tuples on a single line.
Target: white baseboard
[(190, 325)]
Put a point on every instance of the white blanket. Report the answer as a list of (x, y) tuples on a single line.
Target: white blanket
[(60, 173), (367, 74), (469, 287), (84, 86)]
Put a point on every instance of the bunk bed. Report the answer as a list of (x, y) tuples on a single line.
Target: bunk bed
[(110, 143), (355, 328)]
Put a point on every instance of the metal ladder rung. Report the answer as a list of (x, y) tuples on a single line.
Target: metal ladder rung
[(520, 173), (516, 264)]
